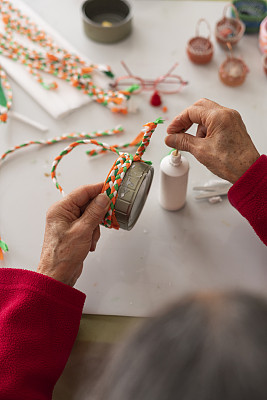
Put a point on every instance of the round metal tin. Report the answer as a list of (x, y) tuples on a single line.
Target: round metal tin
[(132, 194), (107, 21)]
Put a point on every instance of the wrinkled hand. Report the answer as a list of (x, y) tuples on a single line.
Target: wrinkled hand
[(72, 230), (221, 143)]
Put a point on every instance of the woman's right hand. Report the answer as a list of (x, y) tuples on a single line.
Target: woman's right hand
[(222, 142)]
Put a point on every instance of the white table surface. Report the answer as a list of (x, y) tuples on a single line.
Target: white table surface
[(167, 254)]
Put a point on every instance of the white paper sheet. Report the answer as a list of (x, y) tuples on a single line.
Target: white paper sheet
[(65, 98)]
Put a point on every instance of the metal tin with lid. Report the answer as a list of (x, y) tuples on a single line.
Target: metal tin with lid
[(132, 194)]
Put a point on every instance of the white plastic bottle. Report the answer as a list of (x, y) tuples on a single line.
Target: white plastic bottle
[(174, 170)]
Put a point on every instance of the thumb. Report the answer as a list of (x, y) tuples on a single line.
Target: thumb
[(95, 211), (182, 141)]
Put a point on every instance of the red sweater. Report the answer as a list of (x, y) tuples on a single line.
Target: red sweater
[(40, 317), (249, 196), (39, 321)]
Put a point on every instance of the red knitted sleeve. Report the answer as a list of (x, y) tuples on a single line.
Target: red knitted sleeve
[(249, 196), (39, 321)]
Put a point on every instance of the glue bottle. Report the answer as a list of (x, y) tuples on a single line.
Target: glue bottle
[(174, 170)]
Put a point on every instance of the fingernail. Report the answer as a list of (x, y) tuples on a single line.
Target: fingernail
[(102, 200)]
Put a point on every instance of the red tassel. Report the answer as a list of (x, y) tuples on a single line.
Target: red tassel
[(155, 100)]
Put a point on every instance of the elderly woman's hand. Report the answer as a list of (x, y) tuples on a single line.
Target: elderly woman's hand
[(221, 143), (72, 230)]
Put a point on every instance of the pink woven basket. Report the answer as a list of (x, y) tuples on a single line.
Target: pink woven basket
[(229, 30), (200, 48), (233, 70)]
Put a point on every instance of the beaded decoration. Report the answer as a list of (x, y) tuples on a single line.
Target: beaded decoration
[(54, 60), (7, 96), (118, 170)]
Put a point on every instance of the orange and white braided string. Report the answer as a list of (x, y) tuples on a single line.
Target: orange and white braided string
[(118, 170)]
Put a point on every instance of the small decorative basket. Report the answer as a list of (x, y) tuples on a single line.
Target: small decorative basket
[(251, 12), (200, 48), (263, 36), (229, 30), (233, 70)]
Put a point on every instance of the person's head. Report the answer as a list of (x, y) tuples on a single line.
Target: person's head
[(205, 347)]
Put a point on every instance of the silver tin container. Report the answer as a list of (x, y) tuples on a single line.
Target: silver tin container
[(132, 194)]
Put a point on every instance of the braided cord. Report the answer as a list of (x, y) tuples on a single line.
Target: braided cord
[(54, 60), (68, 149), (148, 131), (111, 187), (56, 139), (118, 170), (105, 133), (7, 96), (3, 248)]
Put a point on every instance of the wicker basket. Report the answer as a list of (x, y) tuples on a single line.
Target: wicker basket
[(233, 71), (229, 30), (200, 48)]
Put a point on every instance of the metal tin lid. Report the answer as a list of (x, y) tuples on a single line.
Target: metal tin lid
[(132, 194)]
